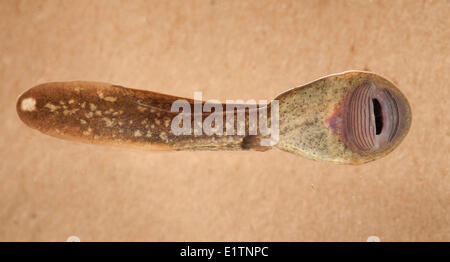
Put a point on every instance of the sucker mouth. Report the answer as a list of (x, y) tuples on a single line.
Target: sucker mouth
[(378, 115), (372, 117)]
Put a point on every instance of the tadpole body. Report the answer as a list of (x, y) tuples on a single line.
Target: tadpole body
[(348, 118)]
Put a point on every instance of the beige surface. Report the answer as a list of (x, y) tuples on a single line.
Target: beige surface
[(51, 189)]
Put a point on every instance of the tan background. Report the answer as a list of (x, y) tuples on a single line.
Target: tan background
[(51, 189)]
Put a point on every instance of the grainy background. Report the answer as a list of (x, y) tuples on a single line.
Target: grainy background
[(51, 189)]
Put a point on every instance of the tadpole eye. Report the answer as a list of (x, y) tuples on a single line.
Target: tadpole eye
[(374, 117)]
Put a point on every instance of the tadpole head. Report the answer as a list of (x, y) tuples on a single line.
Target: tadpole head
[(352, 118)]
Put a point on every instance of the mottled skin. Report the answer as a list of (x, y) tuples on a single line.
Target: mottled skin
[(313, 118), (108, 114)]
